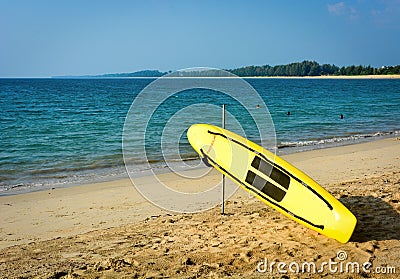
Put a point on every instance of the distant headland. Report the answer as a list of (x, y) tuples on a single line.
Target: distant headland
[(297, 69), (145, 73)]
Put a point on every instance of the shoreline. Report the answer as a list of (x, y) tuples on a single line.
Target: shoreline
[(52, 205), (110, 176), (394, 76), (328, 77), (108, 229)]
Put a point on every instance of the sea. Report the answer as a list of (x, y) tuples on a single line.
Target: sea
[(63, 132)]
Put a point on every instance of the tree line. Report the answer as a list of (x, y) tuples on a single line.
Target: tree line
[(305, 68), (312, 68)]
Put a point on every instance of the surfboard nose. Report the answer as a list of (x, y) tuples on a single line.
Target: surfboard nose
[(200, 138), (194, 136)]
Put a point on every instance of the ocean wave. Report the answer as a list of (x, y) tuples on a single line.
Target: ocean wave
[(334, 140)]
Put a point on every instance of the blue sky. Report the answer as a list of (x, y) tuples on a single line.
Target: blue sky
[(44, 38)]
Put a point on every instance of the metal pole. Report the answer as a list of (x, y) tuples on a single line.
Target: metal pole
[(223, 175)]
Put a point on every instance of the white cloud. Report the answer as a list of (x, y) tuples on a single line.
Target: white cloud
[(353, 13), (341, 9), (337, 9), (387, 13)]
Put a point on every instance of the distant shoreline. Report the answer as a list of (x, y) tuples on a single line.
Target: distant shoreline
[(245, 77), (331, 77)]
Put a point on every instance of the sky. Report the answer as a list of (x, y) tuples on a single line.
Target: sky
[(44, 38)]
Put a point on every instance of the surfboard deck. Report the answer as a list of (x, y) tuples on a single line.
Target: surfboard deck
[(273, 180)]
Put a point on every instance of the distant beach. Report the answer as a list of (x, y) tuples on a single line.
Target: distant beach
[(332, 77)]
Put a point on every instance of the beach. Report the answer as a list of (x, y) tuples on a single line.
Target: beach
[(108, 230)]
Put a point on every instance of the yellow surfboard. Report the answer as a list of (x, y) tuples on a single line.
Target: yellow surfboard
[(273, 180)]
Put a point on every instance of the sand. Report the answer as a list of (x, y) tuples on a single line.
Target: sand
[(107, 230)]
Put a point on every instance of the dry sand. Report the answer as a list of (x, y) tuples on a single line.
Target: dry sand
[(107, 230)]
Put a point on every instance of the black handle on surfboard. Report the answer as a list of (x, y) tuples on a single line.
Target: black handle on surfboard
[(205, 159)]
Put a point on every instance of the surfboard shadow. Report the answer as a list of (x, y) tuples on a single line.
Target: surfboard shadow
[(376, 219)]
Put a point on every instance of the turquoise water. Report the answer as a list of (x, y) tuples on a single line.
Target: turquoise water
[(55, 132)]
